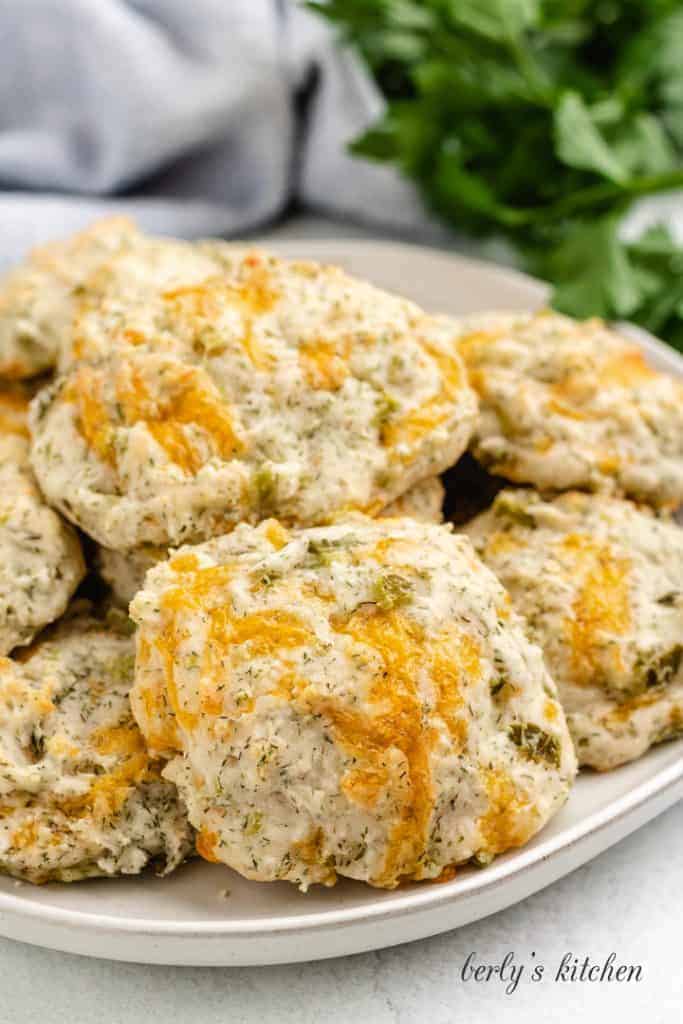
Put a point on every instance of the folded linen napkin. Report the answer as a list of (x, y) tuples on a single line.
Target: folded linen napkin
[(194, 116)]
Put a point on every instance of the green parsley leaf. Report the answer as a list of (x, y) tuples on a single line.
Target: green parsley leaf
[(542, 122), (578, 140), (593, 273)]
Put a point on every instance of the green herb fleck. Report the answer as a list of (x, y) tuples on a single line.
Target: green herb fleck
[(252, 823), (535, 744), (510, 507), (664, 668), (386, 407), (391, 590), (497, 685), (265, 488)]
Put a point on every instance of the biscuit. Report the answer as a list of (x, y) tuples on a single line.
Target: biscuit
[(278, 388), (41, 562), (600, 583), (79, 795), (566, 405), (354, 700)]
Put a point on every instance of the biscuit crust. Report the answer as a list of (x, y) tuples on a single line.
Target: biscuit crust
[(124, 571), (41, 562), (352, 700), (39, 299), (79, 794), (569, 405), (277, 388), (600, 583), (424, 502)]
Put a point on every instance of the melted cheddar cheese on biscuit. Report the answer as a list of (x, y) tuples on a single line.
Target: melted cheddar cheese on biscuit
[(79, 794), (15, 397), (273, 388), (568, 405), (14, 403), (355, 700), (124, 571), (600, 583)]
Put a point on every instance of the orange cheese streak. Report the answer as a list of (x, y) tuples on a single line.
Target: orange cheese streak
[(571, 395), (311, 852), (84, 389), (109, 792), (601, 609), (201, 304), (417, 424), (364, 786), (276, 534), (325, 364), (501, 826), (267, 633), (159, 730), (24, 836), (168, 644), (206, 844), (13, 413), (195, 587), (398, 724), (119, 739), (453, 660), (184, 563), (627, 370), (474, 347), (187, 400)]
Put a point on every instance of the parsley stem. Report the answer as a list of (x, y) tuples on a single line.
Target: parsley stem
[(606, 191), (594, 195)]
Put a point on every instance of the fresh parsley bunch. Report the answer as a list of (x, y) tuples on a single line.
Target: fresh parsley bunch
[(543, 120)]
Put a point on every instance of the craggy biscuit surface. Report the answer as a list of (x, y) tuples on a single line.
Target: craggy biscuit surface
[(38, 299), (354, 700), (566, 404), (424, 501), (124, 571), (41, 562), (600, 583), (79, 795), (275, 388), (123, 302)]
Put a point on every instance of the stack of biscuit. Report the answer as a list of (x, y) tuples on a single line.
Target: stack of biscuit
[(232, 620)]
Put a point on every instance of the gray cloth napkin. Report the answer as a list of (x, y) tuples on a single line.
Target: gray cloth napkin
[(194, 116)]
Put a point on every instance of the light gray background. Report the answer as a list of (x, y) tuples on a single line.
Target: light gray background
[(629, 900)]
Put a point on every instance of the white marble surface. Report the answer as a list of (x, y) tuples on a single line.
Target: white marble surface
[(629, 900)]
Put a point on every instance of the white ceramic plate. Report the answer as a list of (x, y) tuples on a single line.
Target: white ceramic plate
[(187, 919)]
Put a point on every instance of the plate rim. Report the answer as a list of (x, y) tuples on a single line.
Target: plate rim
[(422, 898), (426, 897)]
